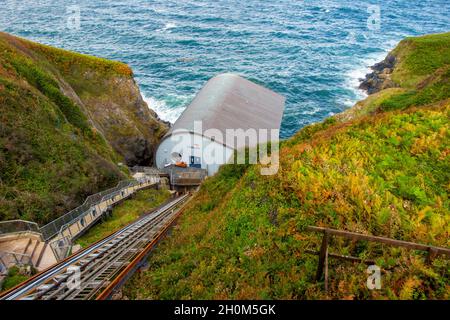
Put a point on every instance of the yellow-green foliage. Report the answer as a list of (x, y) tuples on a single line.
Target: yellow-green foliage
[(67, 61), (125, 213), (421, 76), (244, 237)]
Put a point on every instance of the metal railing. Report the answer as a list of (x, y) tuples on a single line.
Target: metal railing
[(52, 228), (185, 176), (94, 205), (8, 259), (61, 242), (61, 247), (63, 238), (104, 265), (18, 226)]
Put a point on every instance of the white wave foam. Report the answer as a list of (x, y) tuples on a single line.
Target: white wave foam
[(167, 27), (362, 68), (354, 76), (164, 111), (310, 111)]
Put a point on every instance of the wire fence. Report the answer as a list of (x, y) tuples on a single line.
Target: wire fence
[(61, 247), (8, 259), (53, 228), (61, 242), (17, 226)]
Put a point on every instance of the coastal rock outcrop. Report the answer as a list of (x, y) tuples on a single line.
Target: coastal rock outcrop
[(380, 78)]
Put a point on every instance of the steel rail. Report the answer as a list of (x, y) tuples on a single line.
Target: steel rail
[(93, 248), (105, 294), (130, 245), (54, 279), (47, 274), (92, 268)]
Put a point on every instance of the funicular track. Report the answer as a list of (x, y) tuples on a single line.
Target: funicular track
[(95, 272)]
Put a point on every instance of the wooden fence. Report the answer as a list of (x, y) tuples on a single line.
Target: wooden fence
[(322, 268)]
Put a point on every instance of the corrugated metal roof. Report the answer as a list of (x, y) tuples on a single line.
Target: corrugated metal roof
[(229, 101)]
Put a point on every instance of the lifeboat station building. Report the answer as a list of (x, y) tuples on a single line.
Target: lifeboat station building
[(226, 115)]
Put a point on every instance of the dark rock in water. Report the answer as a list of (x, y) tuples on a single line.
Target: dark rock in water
[(380, 78)]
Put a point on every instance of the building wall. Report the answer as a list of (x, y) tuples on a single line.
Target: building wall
[(211, 153)]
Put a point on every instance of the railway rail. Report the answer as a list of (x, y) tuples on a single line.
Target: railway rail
[(100, 269)]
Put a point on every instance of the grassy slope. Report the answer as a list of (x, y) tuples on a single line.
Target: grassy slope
[(51, 157), (125, 213), (382, 169), (14, 277)]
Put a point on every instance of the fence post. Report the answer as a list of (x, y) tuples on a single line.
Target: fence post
[(323, 258), (432, 253)]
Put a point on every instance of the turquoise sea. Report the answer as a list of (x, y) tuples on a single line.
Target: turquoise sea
[(313, 52)]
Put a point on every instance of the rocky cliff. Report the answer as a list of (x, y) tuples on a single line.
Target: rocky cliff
[(67, 121)]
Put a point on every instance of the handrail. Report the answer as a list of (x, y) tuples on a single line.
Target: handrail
[(18, 259), (17, 226), (389, 241), (53, 228), (105, 198), (62, 244), (149, 170)]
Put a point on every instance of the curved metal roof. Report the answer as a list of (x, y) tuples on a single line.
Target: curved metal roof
[(229, 101)]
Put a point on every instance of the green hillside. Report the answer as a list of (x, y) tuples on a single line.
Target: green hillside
[(56, 131), (381, 168)]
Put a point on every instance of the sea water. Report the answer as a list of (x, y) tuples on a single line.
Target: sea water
[(312, 52)]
